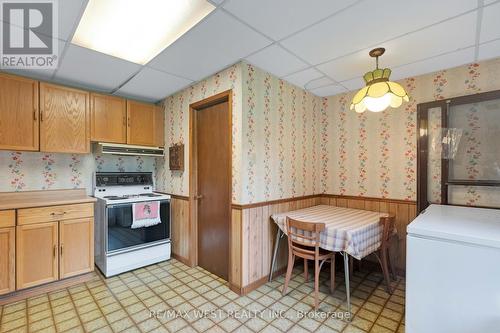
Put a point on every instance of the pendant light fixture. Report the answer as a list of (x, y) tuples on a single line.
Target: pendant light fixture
[(379, 93)]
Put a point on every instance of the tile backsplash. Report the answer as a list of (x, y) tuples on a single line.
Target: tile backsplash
[(28, 171)]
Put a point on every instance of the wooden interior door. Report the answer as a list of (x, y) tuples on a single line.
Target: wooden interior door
[(140, 123), (18, 113), (64, 119), (213, 149), (7, 260), (76, 241), (108, 118), (36, 254)]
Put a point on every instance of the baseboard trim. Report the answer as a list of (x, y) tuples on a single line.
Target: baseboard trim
[(46, 288), (185, 261), (256, 284)]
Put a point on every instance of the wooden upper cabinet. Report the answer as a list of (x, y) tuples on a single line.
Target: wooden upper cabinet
[(159, 126), (108, 118), (76, 241), (64, 119), (37, 254), (18, 113), (7, 260), (141, 123)]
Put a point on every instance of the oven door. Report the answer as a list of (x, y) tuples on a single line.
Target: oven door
[(121, 237)]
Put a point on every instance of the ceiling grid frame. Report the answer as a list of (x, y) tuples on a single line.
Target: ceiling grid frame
[(309, 66)]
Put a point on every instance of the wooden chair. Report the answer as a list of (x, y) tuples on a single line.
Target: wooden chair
[(303, 242), (382, 254)]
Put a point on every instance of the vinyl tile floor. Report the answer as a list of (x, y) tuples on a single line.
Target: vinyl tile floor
[(172, 297)]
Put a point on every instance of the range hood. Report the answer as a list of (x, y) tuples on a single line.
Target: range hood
[(130, 150)]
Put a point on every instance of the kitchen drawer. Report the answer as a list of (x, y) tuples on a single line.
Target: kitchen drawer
[(54, 213), (7, 218)]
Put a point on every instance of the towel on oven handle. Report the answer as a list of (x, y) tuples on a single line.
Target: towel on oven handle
[(145, 214)]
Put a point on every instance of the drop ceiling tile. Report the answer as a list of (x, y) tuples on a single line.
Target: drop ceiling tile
[(320, 82), (216, 2), (275, 60), (438, 39), (369, 23), (302, 78), (280, 18), (489, 50), (152, 85), (449, 60), (91, 69), (445, 61), (69, 15), (217, 42), (490, 24), (353, 84), (328, 90), (38, 74)]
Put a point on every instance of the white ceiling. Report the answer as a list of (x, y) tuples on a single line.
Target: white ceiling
[(319, 45)]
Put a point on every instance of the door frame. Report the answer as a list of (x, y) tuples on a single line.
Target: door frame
[(225, 96)]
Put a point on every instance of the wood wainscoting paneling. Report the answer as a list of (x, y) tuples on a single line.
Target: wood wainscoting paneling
[(235, 241), (258, 236), (258, 232), (404, 212), (179, 230), (253, 233)]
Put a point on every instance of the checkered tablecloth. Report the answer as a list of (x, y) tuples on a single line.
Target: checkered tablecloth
[(355, 231)]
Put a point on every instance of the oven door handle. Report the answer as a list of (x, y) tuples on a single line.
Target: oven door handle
[(130, 203)]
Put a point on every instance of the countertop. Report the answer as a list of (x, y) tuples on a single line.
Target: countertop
[(31, 199)]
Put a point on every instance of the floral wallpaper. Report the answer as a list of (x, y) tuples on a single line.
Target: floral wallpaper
[(275, 135), (374, 154), (288, 142), (28, 171), (177, 128), (280, 138)]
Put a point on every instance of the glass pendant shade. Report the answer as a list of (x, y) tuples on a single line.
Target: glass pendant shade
[(379, 93)]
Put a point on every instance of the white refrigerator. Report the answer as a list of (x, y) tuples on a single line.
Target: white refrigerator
[(453, 271)]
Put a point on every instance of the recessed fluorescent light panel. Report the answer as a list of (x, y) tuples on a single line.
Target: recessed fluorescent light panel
[(137, 30)]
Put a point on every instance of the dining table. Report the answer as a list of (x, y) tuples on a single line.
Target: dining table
[(349, 231)]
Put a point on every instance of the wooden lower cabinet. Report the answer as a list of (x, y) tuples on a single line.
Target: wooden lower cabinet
[(76, 247), (50, 251), (37, 256), (7, 260)]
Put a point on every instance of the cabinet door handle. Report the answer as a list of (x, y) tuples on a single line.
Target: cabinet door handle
[(34, 115), (57, 214), (55, 250), (41, 115), (62, 249)]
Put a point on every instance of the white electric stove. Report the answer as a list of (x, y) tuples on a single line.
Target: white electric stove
[(118, 246)]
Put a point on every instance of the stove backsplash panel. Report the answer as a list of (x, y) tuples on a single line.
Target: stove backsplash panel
[(28, 171)]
